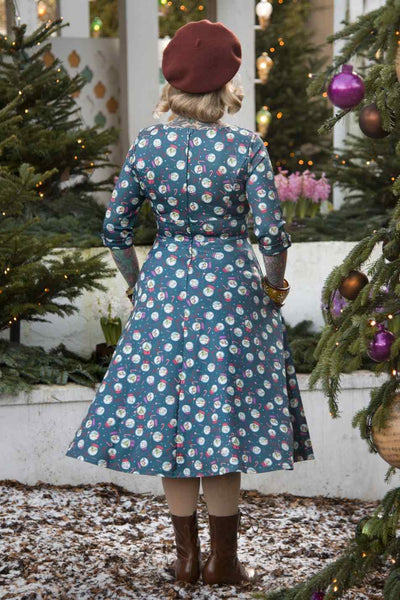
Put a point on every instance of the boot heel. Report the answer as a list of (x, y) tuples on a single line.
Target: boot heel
[(222, 565)]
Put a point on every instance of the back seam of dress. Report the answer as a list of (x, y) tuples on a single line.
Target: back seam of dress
[(186, 311)]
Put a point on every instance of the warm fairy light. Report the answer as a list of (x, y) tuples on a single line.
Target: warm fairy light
[(46, 289), (310, 162), (291, 154), (272, 49), (41, 195), (79, 141), (310, 75), (279, 115), (20, 93), (337, 343), (364, 554), (75, 157), (324, 94), (26, 110), (343, 162), (66, 276), (372, 322), (200, 7), (394, 372), (390, 316), (182, 7), (281, 42), (301, 162)]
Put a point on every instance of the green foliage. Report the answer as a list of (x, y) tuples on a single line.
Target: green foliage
[(286, 90), (172, 16), (303, 341), (47, 130), (38, 133), (23, 367)]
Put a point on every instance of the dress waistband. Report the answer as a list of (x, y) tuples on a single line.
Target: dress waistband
[(198, 237)]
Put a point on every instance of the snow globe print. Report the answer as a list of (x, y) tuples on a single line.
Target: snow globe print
[(202, 380)]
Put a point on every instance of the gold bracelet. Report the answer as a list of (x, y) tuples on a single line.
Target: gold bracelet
[(277, 294)]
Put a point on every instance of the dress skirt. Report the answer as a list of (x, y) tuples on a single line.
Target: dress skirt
[(202, 380)]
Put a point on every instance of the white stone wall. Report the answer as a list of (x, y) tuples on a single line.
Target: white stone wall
[(38, 427), (308, 266)]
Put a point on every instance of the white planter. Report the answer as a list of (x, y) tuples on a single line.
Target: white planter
[(308, 266), (36, 429)]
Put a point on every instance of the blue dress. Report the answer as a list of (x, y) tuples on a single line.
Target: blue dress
[(201, 381)]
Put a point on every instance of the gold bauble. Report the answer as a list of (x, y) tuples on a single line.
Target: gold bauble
[(264, 66), (387, 439), (351, 285)]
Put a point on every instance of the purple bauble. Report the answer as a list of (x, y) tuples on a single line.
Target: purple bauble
[(338, 303), (346, 89), (379, 347), (318, 596)]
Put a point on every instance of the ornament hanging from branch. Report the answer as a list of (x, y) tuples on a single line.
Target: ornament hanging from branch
[(370, 122), (387, 439), (263, 119), (346, 89), (379, 347), (264, 66), (351, 285), (264, 11)]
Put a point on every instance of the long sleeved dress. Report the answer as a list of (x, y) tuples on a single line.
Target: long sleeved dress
[(201, 381)]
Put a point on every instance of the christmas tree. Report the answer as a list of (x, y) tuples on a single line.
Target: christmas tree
[(53, 136), (38, 140), (362, 309), (292, 138)]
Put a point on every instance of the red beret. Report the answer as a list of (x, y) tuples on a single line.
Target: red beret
[(201, 57)]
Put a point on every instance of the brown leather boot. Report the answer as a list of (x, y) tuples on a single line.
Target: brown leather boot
[(223, 565), (187, 567)]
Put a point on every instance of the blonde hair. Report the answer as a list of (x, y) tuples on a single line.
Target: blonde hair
[(208, 107)]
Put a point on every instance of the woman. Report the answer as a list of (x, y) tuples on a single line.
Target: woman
[(201, 383)]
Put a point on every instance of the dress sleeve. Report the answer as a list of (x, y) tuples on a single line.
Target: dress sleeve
[(263, 199), (125, 202)]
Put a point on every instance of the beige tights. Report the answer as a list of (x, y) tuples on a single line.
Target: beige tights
[(221, 493)]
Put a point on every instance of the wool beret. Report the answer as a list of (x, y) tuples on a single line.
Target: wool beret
[(201, 57)]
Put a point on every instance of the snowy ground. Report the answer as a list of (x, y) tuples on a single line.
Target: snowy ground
[(101, 542)]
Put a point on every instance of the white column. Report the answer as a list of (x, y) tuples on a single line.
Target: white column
[(77, 14), (28, 13), (138, 32), (239, 16)]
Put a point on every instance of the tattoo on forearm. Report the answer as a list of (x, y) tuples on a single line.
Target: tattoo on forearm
[(127, 263), (275, 268)]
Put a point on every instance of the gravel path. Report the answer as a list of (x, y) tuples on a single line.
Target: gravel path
[(101, 542)]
